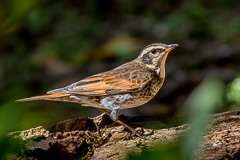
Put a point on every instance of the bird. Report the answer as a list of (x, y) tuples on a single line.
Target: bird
[(130, 85)]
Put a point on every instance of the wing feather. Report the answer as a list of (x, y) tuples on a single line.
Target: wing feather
[(117, 81)]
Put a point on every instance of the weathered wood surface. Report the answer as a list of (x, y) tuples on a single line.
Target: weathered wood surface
[(76, 138)]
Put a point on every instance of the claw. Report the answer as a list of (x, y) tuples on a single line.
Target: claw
[(133, 131)]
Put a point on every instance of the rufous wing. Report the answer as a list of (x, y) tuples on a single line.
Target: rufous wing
[(108, 83)]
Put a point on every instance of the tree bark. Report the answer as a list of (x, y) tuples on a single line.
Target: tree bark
[(79, 138)]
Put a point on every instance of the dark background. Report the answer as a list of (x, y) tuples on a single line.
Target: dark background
[(47, 44)]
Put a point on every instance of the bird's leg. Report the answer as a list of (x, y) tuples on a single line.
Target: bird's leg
[(114, 116)]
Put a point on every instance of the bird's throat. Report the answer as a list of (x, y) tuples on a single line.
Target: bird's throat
[(161, 65)]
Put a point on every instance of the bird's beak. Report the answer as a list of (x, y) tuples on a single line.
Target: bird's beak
[(171, 47)]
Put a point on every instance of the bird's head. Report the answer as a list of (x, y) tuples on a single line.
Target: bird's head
[(154, 55)]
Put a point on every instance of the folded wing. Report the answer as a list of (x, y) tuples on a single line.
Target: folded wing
[(108, 83)]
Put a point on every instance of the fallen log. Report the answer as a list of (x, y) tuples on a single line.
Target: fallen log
[(80, 138)]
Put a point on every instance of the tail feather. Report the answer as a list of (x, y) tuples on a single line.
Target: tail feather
[(43, 97)]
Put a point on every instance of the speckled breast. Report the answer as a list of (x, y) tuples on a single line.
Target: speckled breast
[(144, 95)]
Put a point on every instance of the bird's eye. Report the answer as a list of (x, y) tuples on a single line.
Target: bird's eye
[(153, 51)]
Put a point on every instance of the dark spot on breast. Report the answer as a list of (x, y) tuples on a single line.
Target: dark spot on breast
[(147, 58)]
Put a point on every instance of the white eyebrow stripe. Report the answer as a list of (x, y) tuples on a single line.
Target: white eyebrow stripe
[(152, 47)]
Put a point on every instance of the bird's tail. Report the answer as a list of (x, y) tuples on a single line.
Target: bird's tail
[(53, 97)]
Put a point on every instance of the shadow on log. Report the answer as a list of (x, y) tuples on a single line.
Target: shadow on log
[(80, 139)]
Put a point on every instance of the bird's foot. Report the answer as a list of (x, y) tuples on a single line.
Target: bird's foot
[(135, 133), (132, 130)]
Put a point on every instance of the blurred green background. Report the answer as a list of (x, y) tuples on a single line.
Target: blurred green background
[(46, 44)]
